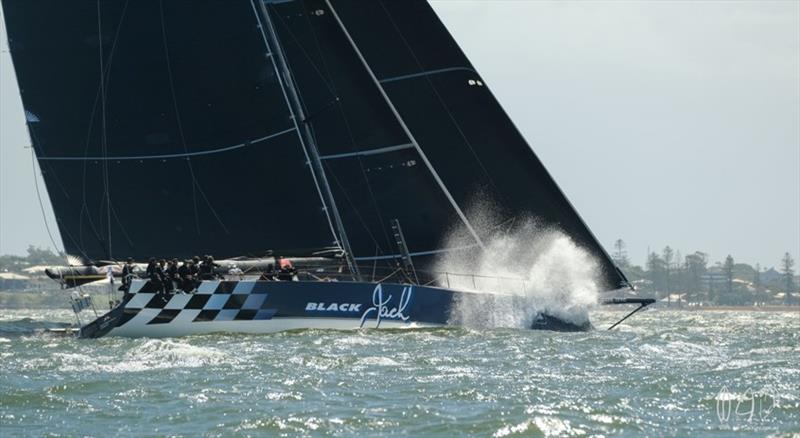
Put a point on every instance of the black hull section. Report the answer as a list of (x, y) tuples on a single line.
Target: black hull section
[(104, 324)]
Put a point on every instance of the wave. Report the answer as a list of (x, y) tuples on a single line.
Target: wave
[(28, 326)]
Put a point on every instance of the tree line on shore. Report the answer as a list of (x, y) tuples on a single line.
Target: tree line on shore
[(693, 279), (36, 257)]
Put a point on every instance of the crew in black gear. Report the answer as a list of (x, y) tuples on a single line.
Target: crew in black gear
[(172, 274), (194, 269), (154, 276), (207, 268), (269, 274), (127, 275), (195, 266), (185, 276)]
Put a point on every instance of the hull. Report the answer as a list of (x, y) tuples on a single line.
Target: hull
[(271, 306)]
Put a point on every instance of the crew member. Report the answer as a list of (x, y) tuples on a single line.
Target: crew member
[(127, 275), (194, 269), (172, 274), (269, 274), (153, 275), (207, 268), (185, 276), (166, 285), (286, 271)]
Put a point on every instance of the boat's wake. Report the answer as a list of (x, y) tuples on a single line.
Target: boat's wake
[(544, 270)]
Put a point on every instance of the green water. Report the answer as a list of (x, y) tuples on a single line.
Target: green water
[(672, 373)]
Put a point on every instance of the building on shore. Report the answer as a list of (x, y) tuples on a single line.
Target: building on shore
[(13, 281)]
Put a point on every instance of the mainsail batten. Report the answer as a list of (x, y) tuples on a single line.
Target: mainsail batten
[(218, 150)]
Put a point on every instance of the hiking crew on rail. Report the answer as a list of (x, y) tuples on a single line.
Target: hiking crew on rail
[(184, 277)]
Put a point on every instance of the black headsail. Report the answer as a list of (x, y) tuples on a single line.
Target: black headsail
[(374, 168), (185, 144), (236, 126), (387, 84)]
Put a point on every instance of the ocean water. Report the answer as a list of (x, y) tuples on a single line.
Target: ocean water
[(664, 372)]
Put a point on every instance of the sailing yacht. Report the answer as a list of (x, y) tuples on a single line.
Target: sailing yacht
[(349, 136)]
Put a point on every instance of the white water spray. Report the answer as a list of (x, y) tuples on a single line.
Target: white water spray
[(544, 269)]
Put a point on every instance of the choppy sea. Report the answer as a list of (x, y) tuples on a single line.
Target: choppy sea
[(662, 373)]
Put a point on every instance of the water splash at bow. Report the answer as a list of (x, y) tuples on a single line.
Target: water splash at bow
[(542, 268)]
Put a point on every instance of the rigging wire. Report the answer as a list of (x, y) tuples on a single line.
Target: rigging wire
[(84, 206), (103, 130), (58, 183), (438, 96), (124, 232), (469, 145), (347, 198), (405, 127), (195, 184), (177, 115), (41, 204), (271, 54), (337, 100), (331, 211), (375, 263), (316, 141), (349, 129)]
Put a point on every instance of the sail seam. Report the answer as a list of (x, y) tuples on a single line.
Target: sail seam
[(426, 73), (369, 152), (165, 156)]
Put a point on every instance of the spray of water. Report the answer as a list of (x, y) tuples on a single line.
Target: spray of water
[(541, 268)]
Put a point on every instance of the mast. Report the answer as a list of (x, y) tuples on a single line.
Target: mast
[(403, 124), (308, 139)]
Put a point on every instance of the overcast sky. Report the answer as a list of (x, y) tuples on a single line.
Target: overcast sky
[(666, 123)]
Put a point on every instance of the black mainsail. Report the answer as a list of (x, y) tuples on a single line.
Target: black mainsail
[(185, 144), (169, 127)]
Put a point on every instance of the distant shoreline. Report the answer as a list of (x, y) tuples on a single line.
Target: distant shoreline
[(738, 308)]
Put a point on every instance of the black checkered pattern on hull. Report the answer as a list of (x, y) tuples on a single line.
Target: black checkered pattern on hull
[(213, 301)]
